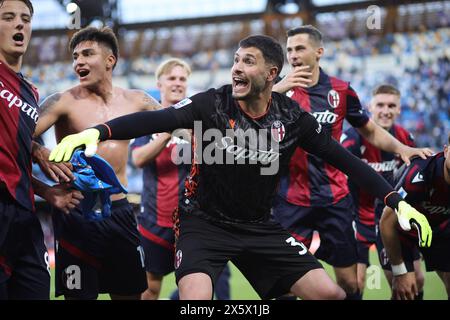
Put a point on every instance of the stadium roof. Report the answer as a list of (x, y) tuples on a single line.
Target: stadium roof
[(51, 14)]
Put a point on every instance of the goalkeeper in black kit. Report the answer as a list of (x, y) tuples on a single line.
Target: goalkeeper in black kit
[(245, 135)]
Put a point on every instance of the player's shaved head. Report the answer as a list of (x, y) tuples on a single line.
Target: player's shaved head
[(314, 35), (386, 89)]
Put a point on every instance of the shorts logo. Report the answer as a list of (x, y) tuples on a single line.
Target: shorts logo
[(333, 98), (178, 258), (278, 131), (384, 260), (72, 277), (182, 103)]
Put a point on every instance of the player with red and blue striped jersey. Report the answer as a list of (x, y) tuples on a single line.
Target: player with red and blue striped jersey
[(426, 185), (385, 108), (314, 195), (24, 269)]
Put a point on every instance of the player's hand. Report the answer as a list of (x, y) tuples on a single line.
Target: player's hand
[(63, 197), (298, 77), (64, 150), (58, 172), (408, 216), (404, 287), (407, 153)]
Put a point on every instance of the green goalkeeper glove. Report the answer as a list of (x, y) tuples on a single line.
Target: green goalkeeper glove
[(408, 216), (64, 150)]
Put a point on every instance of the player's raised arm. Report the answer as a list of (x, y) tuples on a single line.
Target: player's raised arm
[(321, 144), (383, 140), (127, 127)]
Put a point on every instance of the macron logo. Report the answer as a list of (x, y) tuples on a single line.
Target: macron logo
[(14, 101), (418, 178)]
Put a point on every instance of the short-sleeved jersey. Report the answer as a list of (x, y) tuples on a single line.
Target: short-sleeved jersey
[(423, 186), (18, 117), (311, 181), (385, 163), (241, 192), (163, 181)]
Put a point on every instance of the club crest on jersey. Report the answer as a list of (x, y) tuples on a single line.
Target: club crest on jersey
[(178, 258), (278, 131), (333, 98), (182, 103)]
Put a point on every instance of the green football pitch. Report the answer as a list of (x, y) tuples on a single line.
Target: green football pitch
[(376, 287)]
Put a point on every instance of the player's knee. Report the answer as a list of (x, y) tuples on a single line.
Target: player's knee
[(350, 285), (197, 286)]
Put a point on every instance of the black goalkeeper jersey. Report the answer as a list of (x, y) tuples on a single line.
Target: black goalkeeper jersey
[(242, 192), (220, 186)]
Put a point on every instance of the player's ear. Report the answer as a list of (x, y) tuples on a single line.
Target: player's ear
[(110, 61), (273, 73), (319, 53)]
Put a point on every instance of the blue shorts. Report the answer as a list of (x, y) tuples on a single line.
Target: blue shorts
[(24, 268), (334, 224), (158, 243), (95, 257)]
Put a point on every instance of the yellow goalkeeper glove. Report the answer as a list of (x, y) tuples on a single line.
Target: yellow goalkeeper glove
[(408, 216), (64, 150)]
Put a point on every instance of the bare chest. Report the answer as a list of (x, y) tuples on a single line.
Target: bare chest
[(85, 114)]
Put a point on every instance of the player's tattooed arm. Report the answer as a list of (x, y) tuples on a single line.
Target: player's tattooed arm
[(47, 114), (150, 103), (49, 103)]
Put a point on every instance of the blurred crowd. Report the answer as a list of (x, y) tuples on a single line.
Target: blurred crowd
[(417, 63)]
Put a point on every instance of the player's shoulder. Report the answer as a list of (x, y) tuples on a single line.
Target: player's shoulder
[(131, 94), (208, 97), (400, 129), (284, 99), (336, 83), (59, 99), (413, 177), (401, 132)]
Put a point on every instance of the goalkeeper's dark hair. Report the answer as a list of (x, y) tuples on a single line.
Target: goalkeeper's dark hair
[(269, 47), (27, 3)]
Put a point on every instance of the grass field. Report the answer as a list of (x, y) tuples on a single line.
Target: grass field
[(378, 287)]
